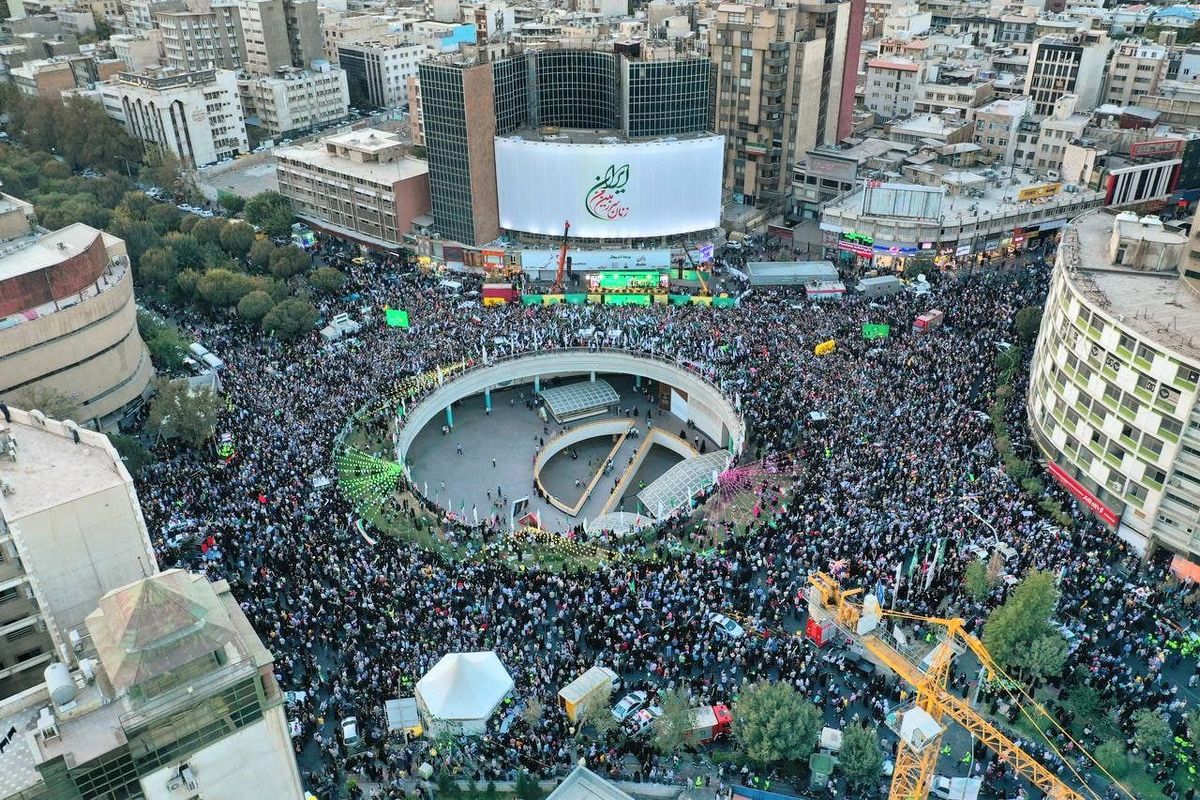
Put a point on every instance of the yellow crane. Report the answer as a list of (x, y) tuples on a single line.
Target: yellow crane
[(920, 724)]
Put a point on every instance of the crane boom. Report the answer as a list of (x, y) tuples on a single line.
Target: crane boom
[(562, 258), (914, 768)]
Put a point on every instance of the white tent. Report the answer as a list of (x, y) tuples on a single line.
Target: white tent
[(462, 691)]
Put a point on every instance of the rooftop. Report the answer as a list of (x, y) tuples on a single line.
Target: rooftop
[(51, 469), (1155, 304), (315, 155), (33, 253), (590, 136), (367, 140), (583, 784)]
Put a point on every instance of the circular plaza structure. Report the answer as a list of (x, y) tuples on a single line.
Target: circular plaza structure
[(573, 438)]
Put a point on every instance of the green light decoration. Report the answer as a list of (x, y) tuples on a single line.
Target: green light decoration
[(366, 480)]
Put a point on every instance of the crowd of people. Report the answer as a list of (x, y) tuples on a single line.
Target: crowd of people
[(901, 465)]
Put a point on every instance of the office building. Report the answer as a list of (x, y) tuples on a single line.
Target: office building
[(195, 115), (69, 318), (1113, 385), (197, 40), (630, 91), (72, 531), (377, 71), (1072, 64), (781, 72), (137, 51), (173, 696), (1136, 70), (359, 185)]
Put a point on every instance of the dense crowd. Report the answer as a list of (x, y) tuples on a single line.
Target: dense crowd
[(902, 464)]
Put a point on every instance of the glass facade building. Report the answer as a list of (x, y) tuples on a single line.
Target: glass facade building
[(443, 102), (663, 98), (575, 89)]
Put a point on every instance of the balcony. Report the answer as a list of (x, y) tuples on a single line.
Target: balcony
[(776, 61)]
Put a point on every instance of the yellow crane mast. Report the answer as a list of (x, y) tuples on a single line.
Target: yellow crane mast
[(920, 725)]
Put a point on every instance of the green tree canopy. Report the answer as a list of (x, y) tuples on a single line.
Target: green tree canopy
[(288, 261), (158, 266), (1012, 628), (164, 217), (861, 757), (236, 238), (135, 205), (222, 288), (975, 581), (1027, 322), (177, 411), (773, 723), (270, 211), (1151, 731), (255, 305), (186, 249), (208, 231), (133, 453), (290, 319), (261, 252), (231, 202), (671, 728), (327, 279)]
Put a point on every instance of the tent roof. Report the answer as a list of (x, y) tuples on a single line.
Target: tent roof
[(464, 686)]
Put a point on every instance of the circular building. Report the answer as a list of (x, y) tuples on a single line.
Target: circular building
[(1113, 387)]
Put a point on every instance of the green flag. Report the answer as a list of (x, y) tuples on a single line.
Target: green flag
[(871, 331), (397, 317)]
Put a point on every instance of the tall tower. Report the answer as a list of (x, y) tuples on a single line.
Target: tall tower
[(280, 33)]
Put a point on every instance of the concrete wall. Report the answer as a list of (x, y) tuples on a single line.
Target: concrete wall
[(570, 361)]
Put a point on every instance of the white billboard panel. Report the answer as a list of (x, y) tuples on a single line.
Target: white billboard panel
[(902, 200), (597, 260), (610, 191)]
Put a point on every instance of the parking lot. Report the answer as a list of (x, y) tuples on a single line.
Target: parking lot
[(245, 177)]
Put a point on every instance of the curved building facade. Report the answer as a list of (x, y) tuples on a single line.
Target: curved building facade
[(1115, 375), (68, 323)]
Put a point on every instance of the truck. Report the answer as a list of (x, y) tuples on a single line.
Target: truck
[(883, 286), (708, 724), (956, 788), (928, 321), (594, 686), (340, 325)]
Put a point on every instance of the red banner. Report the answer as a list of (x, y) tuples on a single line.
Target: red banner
[(1083, 495)]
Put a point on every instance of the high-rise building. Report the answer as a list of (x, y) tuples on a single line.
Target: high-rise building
[(891, 87), (1071, 64), (72, 530), (464, 104), (280, 34), (195, 115), (69, 318), (377, 71), (195, 40), (780, 73), (173, 696)]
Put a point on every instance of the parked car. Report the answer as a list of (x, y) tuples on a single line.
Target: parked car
[(642, 721), (727, 626), (629, 704)]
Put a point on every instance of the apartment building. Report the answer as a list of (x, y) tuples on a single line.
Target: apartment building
[(196, 40), (139, 14), (137, 51), (891, 86), (296, 100), (68, 318), (45, 78), (416, 120), (1136, 70), (997, 125), (781, 74), (1072, 64), (965, 98), (280, 34), (195, 115), (1056, 132), (71, 529), (359, 185)]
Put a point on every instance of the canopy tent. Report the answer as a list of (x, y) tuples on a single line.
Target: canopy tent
[(461, 692)]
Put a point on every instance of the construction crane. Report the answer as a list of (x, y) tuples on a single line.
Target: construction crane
[(562, 258), (704, 290), (920, 725)]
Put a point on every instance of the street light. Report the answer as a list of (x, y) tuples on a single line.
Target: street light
[(975, 514)]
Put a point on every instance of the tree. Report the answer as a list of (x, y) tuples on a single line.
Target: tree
[(208, 231), (1151, 731), (290, 319), (135, 205), (133, 453), (672, 726), (1113, 757), (231, 202), (1044, 656), (236, 238), (861, 757), (1085, 703), (1027, 322), (187, 249), (158, 266), (288, 261), (166, 344), (975, 581), (255, 305), (1193, 728), (222, 288), (270, 211), (327, 279), (185, 284), (773, 723), (527, 787), (261, 252), (168, 171), (596, 715), (1025, 617), (48, 400), (164, 217), (178, 411)]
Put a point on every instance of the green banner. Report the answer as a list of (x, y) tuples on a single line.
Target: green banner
[(724, 302), (627, 299), (531, 299), (680, 299), (576, 299), (397, 317), (875, 331)]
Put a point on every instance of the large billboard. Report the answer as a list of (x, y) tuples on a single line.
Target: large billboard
[(597, 260), (610, 191), (902, 200)]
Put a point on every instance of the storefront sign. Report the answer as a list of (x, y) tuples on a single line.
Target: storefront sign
[(1041, 190), (1081, 494), (962, 250), (1157, 148), (863, 250)]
